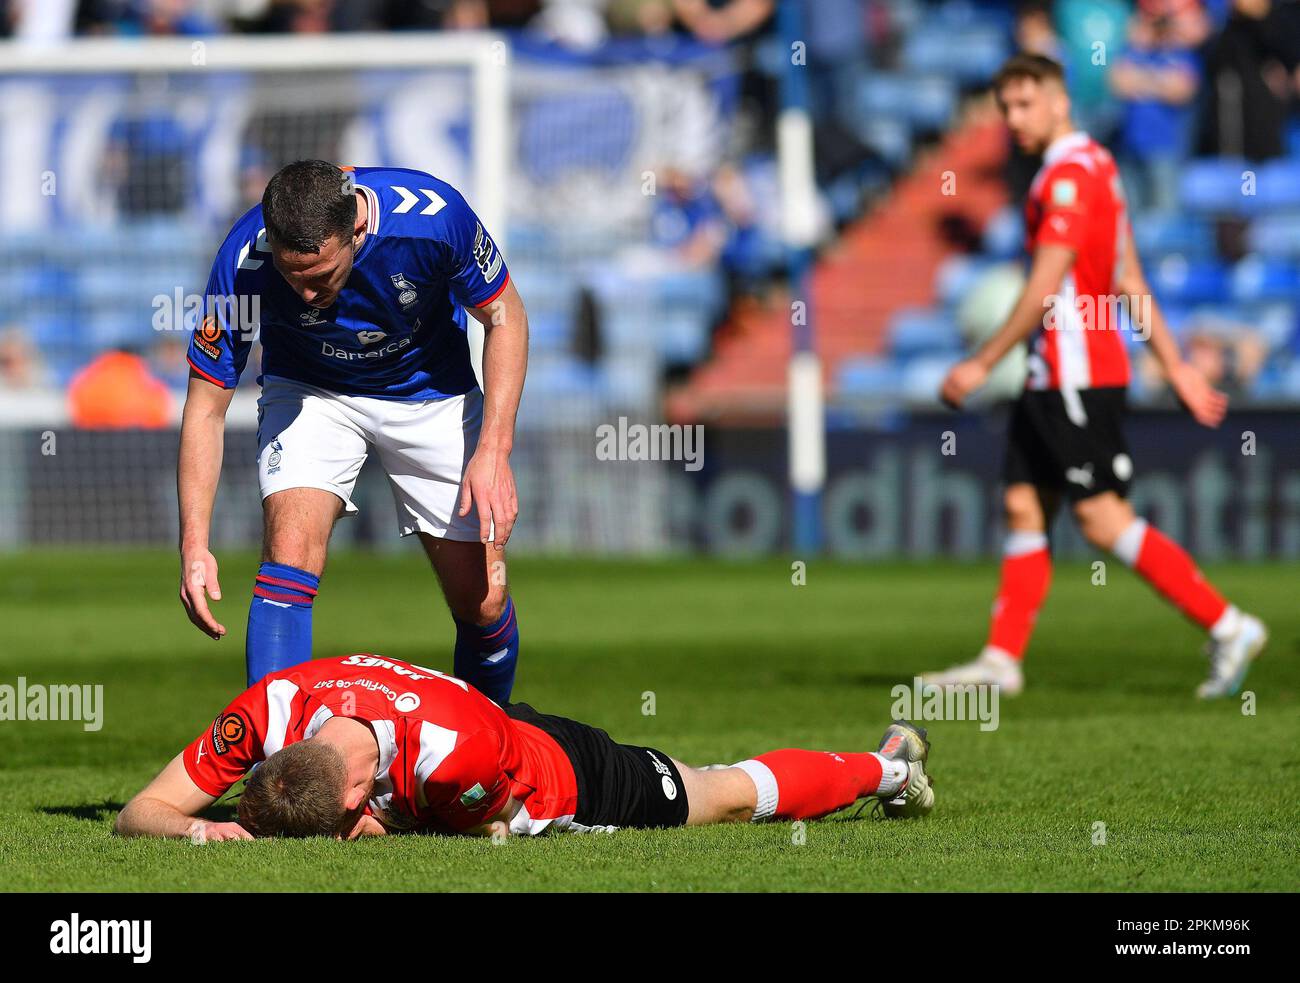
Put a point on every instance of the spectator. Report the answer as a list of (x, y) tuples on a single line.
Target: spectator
[(167, 359), (1092, 31), (117, 391), (728, 21), (1156, 80), (649, 18), (21, 367), (1036, 34), (1249, 67), (1228, 353), (577, 24)]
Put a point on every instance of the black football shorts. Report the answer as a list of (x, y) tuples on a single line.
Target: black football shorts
[(618, 784), (1073, 443)]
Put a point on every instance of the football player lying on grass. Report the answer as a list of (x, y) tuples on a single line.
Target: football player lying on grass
[(358, 745)]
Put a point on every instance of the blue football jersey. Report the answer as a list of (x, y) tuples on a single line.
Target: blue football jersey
[(396, 330)]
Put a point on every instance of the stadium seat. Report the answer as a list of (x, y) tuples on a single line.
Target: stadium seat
[(1158, 233), (926, 102), (957, 275), (1278, 185), (1276, 236), (868, 376), (967, 55), (922, 377), (1177, 279), (888, 136), (922, 331), (1215, 185), (1255, 278), (1004, 236)]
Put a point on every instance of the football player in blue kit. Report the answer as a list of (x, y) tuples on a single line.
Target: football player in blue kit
[(360, 281)]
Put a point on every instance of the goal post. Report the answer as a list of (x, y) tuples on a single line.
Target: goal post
[(175, 63), (485, 55)]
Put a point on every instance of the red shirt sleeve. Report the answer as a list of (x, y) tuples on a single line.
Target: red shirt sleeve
[(223, 753), (469, 786), (1064, 198)]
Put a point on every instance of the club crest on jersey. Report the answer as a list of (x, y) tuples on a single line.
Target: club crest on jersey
[(406, 289), (1064, 192)]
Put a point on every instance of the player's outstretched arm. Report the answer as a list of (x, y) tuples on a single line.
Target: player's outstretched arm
[(1206, 404), (498, 827), (489, 484), (1051, 263), (168, 807), (203, 428)]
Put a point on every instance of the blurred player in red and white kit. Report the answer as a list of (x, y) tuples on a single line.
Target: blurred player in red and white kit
[(359, 745), (1066, 434)]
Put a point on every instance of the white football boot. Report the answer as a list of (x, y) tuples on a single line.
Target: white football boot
[(905, 741), (1231, 655), (994, 667)]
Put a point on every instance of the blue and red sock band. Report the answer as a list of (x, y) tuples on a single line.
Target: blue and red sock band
[(486, 655), (279, 619)]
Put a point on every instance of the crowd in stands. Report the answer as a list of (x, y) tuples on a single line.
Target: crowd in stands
[(1190, 94)]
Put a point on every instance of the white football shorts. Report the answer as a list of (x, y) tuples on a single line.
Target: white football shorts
[(313, 438)]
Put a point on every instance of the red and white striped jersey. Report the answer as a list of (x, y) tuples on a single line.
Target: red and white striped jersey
[(1077, 200), (449, 758)]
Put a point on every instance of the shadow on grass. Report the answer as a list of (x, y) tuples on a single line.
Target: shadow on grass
[(99, 812)]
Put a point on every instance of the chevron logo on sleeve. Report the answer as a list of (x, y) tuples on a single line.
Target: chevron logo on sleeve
[(409, 201)]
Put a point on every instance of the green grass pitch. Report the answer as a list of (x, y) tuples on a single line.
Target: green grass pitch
[(1193, 796)]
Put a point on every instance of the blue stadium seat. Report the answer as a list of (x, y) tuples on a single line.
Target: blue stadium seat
[(957, 275), (1158, 233), (968, 55), (1178, 279), (1004, 236), (1215, 185), (926, 102), (1278, 185), (629, 383), (889, 136), (1276, 236), (1255, 279), (922, 331), (549, 330), (922, 376), (868, 376)]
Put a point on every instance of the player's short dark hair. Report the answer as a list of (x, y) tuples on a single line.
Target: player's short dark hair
[(1027, 65), (306, 203), (298, 791)]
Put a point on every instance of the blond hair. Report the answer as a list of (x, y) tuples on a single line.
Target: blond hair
[(298, 791)]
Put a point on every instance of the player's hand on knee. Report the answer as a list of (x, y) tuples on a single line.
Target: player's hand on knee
[(198, 583)]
